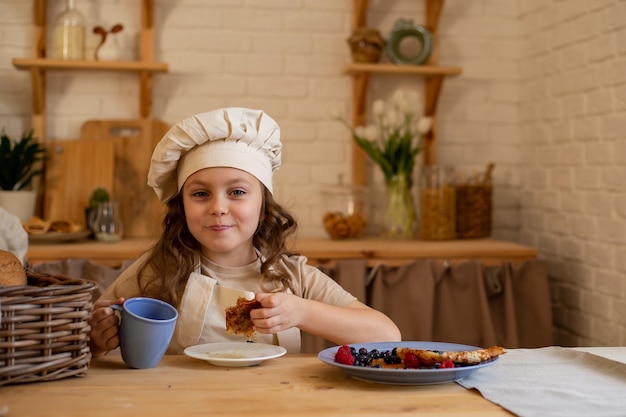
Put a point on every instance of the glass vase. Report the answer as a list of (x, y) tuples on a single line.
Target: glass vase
[(106, 222), (400, 214)]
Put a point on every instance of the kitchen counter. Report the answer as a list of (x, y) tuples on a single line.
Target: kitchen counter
[(319, 251)]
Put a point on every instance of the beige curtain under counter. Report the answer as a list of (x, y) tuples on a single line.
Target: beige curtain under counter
[(466, 302)]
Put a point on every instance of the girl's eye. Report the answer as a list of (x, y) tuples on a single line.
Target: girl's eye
[(199, 194), (238, 193)]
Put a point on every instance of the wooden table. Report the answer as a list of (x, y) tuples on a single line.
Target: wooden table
[(319, 251), (293, 385)]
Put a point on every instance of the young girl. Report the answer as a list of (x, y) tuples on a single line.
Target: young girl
[(223, 238)]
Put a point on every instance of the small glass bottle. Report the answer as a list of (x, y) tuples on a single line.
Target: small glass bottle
[(69, 33)]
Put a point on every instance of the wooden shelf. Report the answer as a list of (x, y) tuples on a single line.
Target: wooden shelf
[(425, 70), (45, 64), (433, 74), (39, 65)]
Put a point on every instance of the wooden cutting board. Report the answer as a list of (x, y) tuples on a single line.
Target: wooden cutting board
[(73, 169), (133, 142)]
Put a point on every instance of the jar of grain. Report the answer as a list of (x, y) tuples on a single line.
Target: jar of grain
[(345, 214), (437, 203)]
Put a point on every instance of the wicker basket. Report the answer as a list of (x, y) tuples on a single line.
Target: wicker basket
[(473, 211), (44, 330)]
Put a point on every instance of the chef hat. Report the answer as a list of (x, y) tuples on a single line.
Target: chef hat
[(234, 137)]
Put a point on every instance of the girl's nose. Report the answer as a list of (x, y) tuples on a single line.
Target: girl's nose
[(218, 207)]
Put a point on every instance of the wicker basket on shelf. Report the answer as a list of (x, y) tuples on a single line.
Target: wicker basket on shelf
[(44, 330), (474, 205), (473, 211)]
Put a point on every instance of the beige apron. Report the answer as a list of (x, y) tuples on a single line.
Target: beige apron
[(201, 317)]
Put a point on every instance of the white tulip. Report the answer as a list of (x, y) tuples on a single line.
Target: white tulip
[(360, 131), (413, 101), (404, 106), (392, 118), (399, 96), (378, 108), (371, 133), (424, 125)]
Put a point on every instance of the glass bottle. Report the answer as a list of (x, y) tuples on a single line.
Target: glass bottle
[(69, 33)]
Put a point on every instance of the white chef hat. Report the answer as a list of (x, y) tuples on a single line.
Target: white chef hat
[(231, 137)]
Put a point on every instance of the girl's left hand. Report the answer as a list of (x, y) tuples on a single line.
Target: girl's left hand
[(279, 312)]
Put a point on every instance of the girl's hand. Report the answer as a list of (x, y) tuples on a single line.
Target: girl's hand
[(104, 334), (279, 312)]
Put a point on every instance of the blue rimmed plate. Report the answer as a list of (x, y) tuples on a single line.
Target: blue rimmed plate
[(406, 376)]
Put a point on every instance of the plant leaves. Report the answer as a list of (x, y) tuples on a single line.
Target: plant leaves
[(17, 160)]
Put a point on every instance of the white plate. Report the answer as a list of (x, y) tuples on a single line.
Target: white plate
[(235, 354), (405, 376)]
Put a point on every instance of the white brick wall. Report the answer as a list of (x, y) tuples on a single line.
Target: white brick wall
[(575, 182), (542, 94)]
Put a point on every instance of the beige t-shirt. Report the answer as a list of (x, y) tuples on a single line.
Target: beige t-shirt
[(212, 288)]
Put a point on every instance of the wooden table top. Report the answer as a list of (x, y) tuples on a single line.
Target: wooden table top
[(293, 385), (390, 252)]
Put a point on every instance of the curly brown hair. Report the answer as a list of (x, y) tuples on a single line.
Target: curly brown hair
[(176, 253)]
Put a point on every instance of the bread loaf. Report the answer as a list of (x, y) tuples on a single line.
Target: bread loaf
[(11, 270)]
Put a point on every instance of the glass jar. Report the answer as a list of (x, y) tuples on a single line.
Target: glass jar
[(437, 203), (106, 222), (69, 33), (346, 211)]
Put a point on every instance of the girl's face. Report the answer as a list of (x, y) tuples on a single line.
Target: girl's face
[(222, 211)]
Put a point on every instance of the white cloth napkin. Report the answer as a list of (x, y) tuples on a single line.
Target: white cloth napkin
[(553, 382), (13, 237)]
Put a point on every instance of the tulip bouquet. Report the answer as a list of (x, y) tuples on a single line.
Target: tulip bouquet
[(393, 141)]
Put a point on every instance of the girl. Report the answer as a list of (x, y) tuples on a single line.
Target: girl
[(223, 238)]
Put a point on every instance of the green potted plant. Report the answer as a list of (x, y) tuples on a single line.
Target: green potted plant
[(99, 195), (20, 163)]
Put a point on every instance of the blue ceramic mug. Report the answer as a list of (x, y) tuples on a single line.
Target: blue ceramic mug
[(146, 328)]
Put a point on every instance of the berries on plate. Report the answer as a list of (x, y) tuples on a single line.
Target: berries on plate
[(344, 355)]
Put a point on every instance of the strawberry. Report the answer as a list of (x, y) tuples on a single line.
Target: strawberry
[(447, 364), (344, 356), (411, 361)]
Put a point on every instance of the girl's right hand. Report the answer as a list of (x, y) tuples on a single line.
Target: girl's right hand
[(104, 323)]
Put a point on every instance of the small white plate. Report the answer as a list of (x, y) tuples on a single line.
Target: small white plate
[(235, 354)]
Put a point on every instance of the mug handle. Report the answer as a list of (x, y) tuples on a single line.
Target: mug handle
[(117, 309)]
